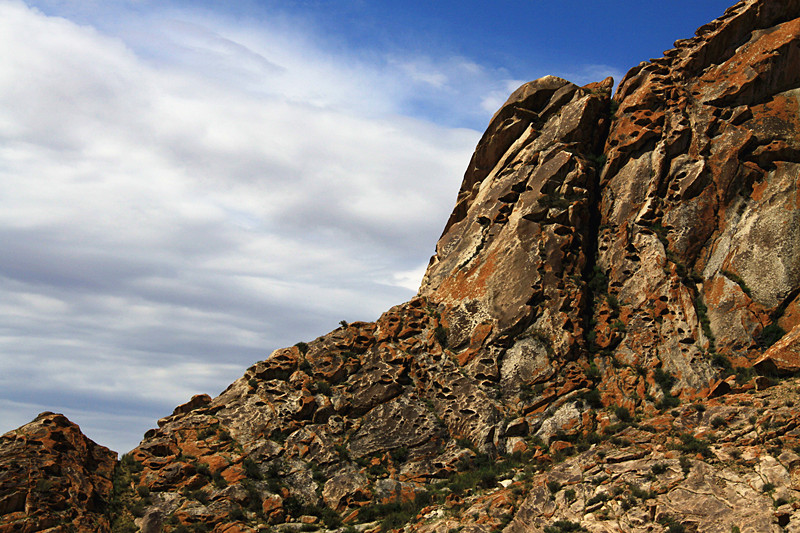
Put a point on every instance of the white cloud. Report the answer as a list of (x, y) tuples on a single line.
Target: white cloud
[(176, 204)]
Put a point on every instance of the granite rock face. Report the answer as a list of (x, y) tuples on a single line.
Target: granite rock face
[(54, 478), (604, 340)]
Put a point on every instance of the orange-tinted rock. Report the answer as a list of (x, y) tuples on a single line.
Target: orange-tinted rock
[(783, 357), (51, 474), (605, 264)]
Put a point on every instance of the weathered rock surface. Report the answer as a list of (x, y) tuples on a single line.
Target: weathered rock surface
[(605, 339), (54, 478)]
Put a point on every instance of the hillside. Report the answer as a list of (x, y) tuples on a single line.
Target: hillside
[(604, 340)]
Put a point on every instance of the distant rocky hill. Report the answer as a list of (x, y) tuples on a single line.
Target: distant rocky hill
[(604, 341)]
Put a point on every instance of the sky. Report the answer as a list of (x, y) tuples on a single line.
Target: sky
[(186, 186)]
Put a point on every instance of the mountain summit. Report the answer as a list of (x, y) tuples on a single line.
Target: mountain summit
[(605, 340)]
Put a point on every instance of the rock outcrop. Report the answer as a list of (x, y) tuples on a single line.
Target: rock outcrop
[(54, 478), (605, 339)]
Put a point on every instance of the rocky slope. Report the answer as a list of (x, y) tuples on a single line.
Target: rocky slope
[(605, 339)]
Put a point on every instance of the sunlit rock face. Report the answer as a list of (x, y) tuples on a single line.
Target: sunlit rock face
[(512, 258), (604, 339)]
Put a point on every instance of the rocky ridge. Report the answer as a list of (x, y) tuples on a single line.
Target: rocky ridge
[(605, 339)]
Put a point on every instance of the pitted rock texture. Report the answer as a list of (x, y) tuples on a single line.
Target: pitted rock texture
[(605, 339), (511, 259), (53, 478), (699, 232)]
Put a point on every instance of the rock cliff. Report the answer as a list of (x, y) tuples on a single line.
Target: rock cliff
[(604, 340)]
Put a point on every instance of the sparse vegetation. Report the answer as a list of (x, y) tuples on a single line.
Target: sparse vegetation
[(400, 454), (770, 335), (622, 414), (672, 525), (686, 464), (440, 333), (738, 280), (691, 444), (303, 347), (564, 526), (705, 322), (592, 398), (597, 498), (658, 468), (323, 387)]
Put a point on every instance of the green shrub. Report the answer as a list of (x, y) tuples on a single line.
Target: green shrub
[(124, 524), (323, 387), (717, 422), (691, 444), (205, 433), (640, 493), (705, 322), (743, 375), (598, 282), (721, 361), (668, 402), (400, 454), (341, 449), (392, 515), (671, 524), (553, 486), (665, 380), (303, 347), (739, 281), (592, 398), (219, 481), (131, 464), (770, 335), (202, 469), (251, 469), (622, 414), (564, 526), (440, 333), (200, 496), (658, 468), (597, 498), (613, 302)]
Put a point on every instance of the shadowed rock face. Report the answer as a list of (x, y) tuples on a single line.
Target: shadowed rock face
[(604, 339)]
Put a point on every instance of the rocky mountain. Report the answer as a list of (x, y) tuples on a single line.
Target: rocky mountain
[(604, 341)]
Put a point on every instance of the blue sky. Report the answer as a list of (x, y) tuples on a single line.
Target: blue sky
[(187, 186)]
